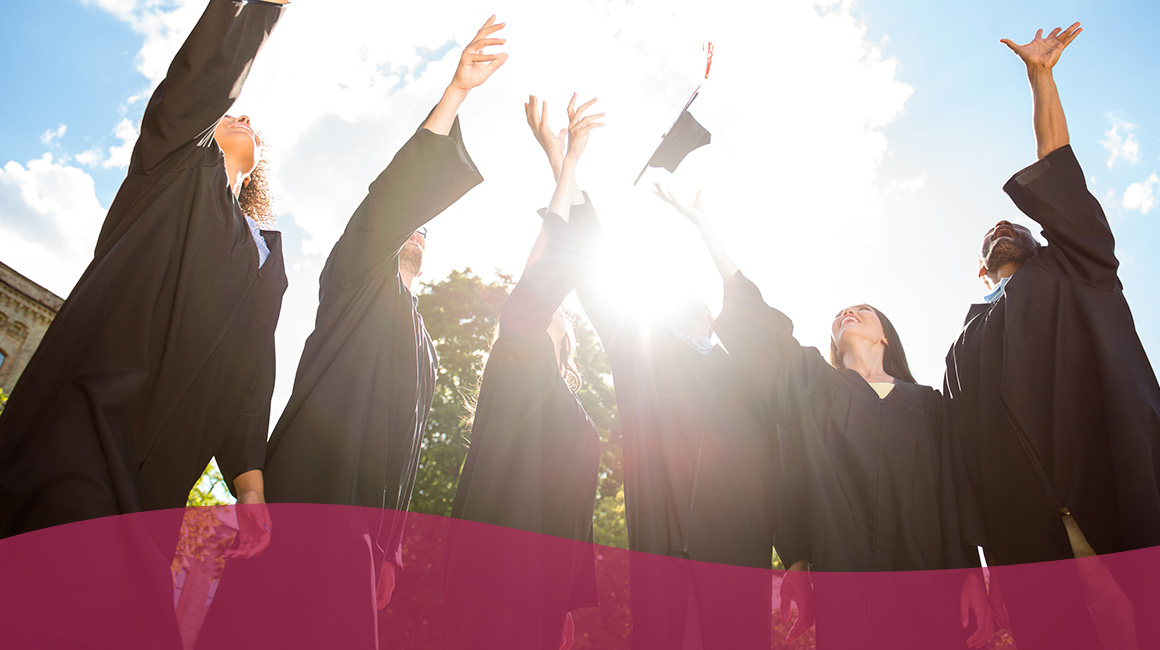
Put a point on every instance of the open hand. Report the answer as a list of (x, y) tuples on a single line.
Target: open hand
[(1044, 52), (474, 66), (692, 211), (253, 526), (580, 126), (973, 600), (553, 143), (796, 589), (385, 586)]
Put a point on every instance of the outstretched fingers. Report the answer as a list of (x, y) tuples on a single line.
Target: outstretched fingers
[(576, 115), (1070, 33), (531, 111), (480, 43), (589, 121), (489, 27)]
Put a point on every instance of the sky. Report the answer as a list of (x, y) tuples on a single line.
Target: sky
[(858, 154)]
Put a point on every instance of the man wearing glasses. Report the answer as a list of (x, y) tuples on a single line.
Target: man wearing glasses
[(350, 434)]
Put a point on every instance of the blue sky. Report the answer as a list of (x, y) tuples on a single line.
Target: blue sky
[(858, 153)]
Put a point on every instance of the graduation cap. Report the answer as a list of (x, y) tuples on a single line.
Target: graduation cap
[(685, 135)]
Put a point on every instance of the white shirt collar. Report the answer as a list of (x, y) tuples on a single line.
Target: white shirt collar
[(998, 292)]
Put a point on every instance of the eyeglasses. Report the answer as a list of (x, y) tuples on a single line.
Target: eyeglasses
[(422, 232)]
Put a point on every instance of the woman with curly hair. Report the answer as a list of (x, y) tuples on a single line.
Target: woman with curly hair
[(163, 355)]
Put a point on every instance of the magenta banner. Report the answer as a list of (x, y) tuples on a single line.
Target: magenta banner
[(117, 582)]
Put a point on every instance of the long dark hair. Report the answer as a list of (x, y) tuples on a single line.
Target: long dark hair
[(893, 360)]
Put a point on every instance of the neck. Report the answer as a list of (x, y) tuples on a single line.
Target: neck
[(865, 358), (408, 280), (234, 175), (1005, 271)]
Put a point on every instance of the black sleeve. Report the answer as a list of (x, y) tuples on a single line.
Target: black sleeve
[(203, 81), (1080, 243), (760, 339), (244, 447), (615, 328), (426, 176), (548, 277), (961, 518)]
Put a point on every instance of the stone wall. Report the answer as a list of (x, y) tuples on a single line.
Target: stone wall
[(26, 309)]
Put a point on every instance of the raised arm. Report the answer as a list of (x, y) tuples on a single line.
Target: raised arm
[(696, 214), (1053, 191), (474, 68), (556, 256), (1040, 56), (204, 79), (430, 172)]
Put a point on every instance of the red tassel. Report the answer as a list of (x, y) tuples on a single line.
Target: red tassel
[(708, 48)]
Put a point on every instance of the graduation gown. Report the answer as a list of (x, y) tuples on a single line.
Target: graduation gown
[(874, 475), (1058, 407), (351, 432), (532, 465), (693, 482), (163, 355), (866, 484), (1054, 371)]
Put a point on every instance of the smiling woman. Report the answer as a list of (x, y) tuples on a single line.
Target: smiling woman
[(171, 316)]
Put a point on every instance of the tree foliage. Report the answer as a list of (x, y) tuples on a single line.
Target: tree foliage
[(460, 314), (210, 489)]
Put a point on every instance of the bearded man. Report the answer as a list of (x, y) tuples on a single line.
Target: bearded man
[(1057, 406)]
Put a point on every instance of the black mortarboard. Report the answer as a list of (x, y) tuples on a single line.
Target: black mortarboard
[(685, 135)]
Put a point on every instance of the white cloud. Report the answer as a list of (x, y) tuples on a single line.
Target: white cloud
[(49, 221), (49, 137), (340, 87), (119, 155), (1142, 196), (1120, 141)]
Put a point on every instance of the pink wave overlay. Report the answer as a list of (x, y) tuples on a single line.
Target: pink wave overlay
[(117, 582)]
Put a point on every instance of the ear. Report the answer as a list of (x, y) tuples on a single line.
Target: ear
[(245, 181), (982, 269)]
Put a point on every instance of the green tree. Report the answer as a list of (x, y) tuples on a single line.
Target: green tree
[(460, 314), (210, 489)]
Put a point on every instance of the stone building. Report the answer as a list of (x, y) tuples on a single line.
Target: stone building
[(26, 309)]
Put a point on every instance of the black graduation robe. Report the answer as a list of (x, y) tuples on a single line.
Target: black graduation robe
[(870, 479), (865, 484), (1058, 405), (1057, 361), (163, 355), (693, 483), (351, 431), (532, 465)]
